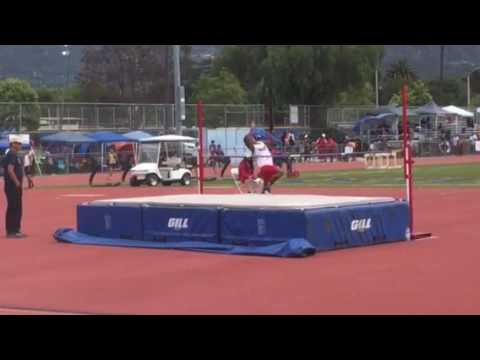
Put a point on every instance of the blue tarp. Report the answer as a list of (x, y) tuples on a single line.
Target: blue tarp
[(107, 137), (137, 135), (67, 138), (372, 122), (290, 248)]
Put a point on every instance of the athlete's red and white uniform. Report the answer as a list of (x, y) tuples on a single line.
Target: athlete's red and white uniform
[(264, 162)]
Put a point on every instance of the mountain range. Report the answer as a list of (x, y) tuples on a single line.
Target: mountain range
[(45, 65)]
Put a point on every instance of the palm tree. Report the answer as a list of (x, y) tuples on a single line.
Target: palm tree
[(401, 70)]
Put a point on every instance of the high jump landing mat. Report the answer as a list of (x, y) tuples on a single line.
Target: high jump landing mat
[(270, 225)]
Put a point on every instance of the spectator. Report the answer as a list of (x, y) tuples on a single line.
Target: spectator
[(456, 144), (222, 159), (285, 140), (126, 161), (212, 159), (350, 147), (28, 165), (112, 161), (322, 145), (291, 138), (332, 148), (280, 159)]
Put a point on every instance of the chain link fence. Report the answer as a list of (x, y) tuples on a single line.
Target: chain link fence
[(52, 117), (225, 124)]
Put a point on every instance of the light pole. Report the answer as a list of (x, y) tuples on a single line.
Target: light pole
[(377, 81), (469, 88), (179, 91), (66, 55)]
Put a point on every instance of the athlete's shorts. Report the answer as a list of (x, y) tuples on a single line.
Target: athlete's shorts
[(267, 173)]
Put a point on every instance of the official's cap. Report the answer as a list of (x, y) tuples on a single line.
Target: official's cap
[(14, 139)]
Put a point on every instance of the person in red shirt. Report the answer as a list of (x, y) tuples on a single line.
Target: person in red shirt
[(246, 170), (322, 144), (332, 148), (246, 176)]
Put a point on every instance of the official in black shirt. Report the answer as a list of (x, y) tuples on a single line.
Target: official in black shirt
[(13, 174), (94, 167)]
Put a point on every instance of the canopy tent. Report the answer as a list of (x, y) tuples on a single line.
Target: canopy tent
[(432, 109), (391, 109), (371, 122), (107, 137), (137, 135), (67, 138), (458, 111)]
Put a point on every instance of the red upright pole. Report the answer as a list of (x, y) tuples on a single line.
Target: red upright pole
[(408, 157), (201, 163)]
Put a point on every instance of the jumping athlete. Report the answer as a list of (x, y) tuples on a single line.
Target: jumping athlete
[(268, 172)]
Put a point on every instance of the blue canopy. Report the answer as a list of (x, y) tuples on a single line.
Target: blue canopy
[(67, 138), (137, 135), (108, 137), (372, 122)]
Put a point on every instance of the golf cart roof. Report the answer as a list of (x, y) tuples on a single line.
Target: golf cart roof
[(169, 138)]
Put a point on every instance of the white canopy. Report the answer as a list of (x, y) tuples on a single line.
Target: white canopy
[(458, 111), (169, 138)]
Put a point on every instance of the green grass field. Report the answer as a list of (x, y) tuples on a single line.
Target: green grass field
[(463, 175)]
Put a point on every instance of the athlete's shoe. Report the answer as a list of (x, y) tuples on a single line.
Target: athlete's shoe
[(16, 236)]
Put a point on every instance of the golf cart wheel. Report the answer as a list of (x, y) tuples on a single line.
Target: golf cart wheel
[(186, 180), (134, 182), (152, 180)]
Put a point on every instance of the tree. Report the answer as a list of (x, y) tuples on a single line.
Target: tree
[(364, 96), (418, 95), (12, 92), (401, 70), (245, 62), (223, 88), (449, 92), (127, 73), (300, 74)]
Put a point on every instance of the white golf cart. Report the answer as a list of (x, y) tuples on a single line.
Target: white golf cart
[(165, 159)]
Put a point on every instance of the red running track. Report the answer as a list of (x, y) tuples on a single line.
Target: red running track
[(439, 276)]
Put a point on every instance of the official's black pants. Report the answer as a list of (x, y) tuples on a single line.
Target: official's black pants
[(93, 173), (14, 210)]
